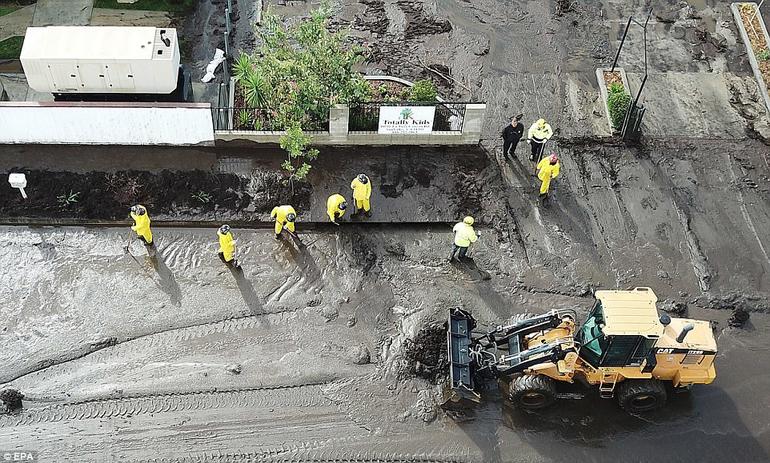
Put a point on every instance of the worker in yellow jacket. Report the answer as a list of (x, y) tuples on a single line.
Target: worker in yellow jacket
[(335, 207), (548, 169), (141, 224), (362, 191), (539, 134), (464, 236), (227, 246), (284, 217)]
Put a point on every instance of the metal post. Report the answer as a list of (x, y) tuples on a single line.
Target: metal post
[(622, 41), (227, 32)]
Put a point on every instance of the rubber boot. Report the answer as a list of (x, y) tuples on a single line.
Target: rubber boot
[(278, 237), (544, 199)]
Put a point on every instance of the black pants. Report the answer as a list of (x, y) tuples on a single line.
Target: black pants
[(537, 149), (461, 251), (510, 146)]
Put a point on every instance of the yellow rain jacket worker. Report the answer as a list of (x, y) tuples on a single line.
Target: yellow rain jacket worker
[(464, 236), (226, 245), (335, 207), (362, 191), (538, 134), (284, 217), (141, 223), (548, 168)]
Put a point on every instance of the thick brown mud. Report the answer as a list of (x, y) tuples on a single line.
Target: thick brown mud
[(115, 352)]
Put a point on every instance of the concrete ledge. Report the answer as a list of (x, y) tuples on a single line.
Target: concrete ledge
[(362, 139), (604, 93), (752, 57)]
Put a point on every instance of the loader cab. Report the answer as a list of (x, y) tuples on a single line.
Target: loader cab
[(621, 329)]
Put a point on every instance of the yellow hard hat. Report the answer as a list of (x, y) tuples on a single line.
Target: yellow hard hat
[(541, 122), (468, 220)]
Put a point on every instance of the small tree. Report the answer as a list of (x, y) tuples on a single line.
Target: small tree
[(295, 76), (423, 90), (617, 102), (296, 143)]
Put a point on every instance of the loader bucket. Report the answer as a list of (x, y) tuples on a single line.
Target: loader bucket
[(459, 392)]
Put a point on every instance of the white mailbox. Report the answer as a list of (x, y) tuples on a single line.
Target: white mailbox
[(18, 181)]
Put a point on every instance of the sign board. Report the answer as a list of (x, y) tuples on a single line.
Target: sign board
[(407, 120)]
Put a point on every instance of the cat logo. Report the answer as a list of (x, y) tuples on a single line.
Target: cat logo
[(666, 351)]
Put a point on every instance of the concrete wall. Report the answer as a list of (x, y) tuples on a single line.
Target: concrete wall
[(105, 123), (338, 132)]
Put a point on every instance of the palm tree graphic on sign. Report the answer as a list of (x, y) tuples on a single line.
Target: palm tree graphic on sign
[(406, 113)]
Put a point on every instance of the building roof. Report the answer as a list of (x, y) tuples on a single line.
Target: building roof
[(97, 43), (630, 312)]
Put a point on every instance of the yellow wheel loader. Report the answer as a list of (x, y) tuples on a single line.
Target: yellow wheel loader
[(624, 349)]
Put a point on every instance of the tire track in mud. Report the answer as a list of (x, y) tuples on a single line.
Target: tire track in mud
[(305, 395), (698, 260), (163, 337)]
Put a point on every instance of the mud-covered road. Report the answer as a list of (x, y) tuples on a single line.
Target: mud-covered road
[(303, 354)]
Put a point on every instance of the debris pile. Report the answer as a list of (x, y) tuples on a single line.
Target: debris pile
[(426, 354)]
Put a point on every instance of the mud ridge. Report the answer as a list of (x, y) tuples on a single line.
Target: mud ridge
[(305, 395), (579, 292), (182, 333)]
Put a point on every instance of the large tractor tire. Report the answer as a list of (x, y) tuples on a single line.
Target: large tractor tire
[(532, 392), (641, 395)]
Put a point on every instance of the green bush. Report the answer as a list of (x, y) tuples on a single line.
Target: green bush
[(11, 48), (296, 75), (764, 55), (423, 90), (617, 102)]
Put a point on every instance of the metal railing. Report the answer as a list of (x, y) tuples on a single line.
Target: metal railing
[(365, 117), (259, 120)]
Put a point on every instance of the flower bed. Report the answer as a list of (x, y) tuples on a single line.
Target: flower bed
[(755, 37)]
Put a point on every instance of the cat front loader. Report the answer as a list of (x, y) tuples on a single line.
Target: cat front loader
[(625, 349)]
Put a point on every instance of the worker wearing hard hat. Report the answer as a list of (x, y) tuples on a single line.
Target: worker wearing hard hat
[(362, 191), (284, 218), (141, 224), (335, 207), (464, 236), (227, 246), (539, 134), (548, 169)]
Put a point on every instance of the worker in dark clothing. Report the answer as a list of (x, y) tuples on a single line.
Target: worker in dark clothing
[(512, 133)]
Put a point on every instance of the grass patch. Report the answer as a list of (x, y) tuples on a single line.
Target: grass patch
[(174, 6), (11, 48), (4, 10)]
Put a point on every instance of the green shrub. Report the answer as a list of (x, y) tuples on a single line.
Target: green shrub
[(423, 90), (296, 75), (617, 102), (242, 67), (764, 55)]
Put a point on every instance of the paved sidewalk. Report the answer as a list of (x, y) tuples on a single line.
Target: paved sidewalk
[(63, 13), (143, 18), (16, 23)]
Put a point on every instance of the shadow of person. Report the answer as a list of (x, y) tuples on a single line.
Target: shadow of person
[(250, 297), (468, 266), (301, 255), (167, 283)]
